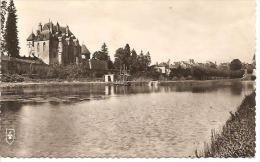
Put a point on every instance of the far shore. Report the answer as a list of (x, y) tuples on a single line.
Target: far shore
[(64, 82)]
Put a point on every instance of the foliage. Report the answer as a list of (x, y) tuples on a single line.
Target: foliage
[(11, 32), (235, 64), (143, 61), (238, 136), (68, 72), (236, 74), (12, 78), (120, 58), (3, 14), (123, 57), (98, 55), (133, 62), (250, 69), (151, 73), (203, 73), (103, 55), (180, 72)]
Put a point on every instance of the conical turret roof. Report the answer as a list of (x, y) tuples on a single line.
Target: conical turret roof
[(84, 49)]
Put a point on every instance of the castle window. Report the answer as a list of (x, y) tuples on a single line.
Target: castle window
[(44, 46), (38, 47)]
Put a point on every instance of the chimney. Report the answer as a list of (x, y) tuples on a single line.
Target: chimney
[(51, 27), (67, 30), (58, 27), (40, 27)]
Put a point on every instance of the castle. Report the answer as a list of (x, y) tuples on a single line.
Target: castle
[(54, 44)]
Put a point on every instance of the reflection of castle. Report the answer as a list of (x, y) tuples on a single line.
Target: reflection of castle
[(54, 44)]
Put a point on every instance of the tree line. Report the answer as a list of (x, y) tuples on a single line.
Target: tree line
[(125, 57), (201, 73), (9, 32)]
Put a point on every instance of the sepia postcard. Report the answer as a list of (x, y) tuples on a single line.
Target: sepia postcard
[(128, 79)]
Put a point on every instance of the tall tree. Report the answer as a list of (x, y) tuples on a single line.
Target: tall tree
[(235, 64), (133, 62), (147, 59), (140, 59), (104, 49), (3, 14), (98, 55), (123, 57), (119, 58), (127, 56), (102, 54), (11, 32)]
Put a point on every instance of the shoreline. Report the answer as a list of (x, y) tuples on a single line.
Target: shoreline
[(237, 137), (145, 82)]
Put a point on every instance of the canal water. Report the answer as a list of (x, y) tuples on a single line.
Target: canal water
[(88, 120)]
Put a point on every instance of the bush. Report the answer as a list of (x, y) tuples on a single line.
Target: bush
[(205, 73), (237, 137), (253, 77), (12, 78), (235, 64), (180, 72), (68, 72), (249, 70), (236, 74)]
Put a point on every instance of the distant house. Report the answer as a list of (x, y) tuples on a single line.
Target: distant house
[(162, 68)]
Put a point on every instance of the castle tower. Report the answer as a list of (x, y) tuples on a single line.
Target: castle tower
[(76, 50), (51, 27), (60, 50), (58, 27), (67, 30), (40, 27), (30, 44)]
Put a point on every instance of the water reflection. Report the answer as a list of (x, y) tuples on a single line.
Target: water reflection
[(100, 120), (68, 94), (236, 88)]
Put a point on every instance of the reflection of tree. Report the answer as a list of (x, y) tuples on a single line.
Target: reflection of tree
[(236, 88), (10, 106)]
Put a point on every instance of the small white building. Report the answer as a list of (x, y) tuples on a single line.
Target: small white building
[(109, 77), (163, 68)]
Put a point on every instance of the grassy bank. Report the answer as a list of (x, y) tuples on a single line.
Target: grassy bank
[(237, 138)]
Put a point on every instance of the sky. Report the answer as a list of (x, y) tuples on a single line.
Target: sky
[(203, 30)]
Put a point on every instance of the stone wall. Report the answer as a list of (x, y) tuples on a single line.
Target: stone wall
[(25, 66), (98, 64), (21, 66)]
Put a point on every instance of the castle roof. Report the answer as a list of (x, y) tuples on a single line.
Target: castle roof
[(47, 26), (49, 29), (84, 49), (44, 35), (31, 37)]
